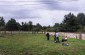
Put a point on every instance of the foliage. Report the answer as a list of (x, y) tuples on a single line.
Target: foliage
[(81, 19), (12, 25), (70, 23), (56, 27), (2, 23), (50, 29), (24, 26), (30, 25)]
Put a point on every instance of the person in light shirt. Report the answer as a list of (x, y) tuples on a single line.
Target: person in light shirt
[(56, 37), (64, 41)]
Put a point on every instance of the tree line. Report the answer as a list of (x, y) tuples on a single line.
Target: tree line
[(70, 23)]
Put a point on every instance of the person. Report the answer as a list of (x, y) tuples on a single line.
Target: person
[(56, 37), (48, 36), (64, 41)]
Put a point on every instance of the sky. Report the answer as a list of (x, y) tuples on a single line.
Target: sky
[(45, 12)]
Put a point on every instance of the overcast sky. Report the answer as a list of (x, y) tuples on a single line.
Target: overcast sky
[(45, 12)]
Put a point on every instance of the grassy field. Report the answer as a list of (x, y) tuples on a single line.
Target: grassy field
[(36, 44)]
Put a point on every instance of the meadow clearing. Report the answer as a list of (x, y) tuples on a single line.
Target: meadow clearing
[(37, 44)]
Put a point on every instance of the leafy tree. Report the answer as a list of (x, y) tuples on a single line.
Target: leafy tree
[(81, 19), (44, 28), (70, 23), (24, 26), (2, 23), (30, 25), (51, 29), (12, 25), (56, 27), (37, 28), (18, 26)]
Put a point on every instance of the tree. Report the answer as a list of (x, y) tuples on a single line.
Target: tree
[(70, 23), (81, 22), (81, 19), (44, 28), (51, 29), (2, 23), (62, 27), (37, 28), (56, 27), (30, 25), (12, 25), (18, 26), (24, 26)]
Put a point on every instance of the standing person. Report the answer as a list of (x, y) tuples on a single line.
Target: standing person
[(56, 37), (48, 36)]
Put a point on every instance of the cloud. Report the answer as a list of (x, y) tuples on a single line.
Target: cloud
[(48, 17), (61, 5), (68, 0), (17, 9), (45, 12)]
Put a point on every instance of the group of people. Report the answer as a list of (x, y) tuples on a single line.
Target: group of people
[(56, 38)]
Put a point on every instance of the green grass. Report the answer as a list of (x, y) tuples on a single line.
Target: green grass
[(36, 44)]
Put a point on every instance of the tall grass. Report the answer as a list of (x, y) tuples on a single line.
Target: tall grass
[(37, 44)]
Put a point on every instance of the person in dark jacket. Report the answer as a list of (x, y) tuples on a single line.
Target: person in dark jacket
[(48, 36)]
